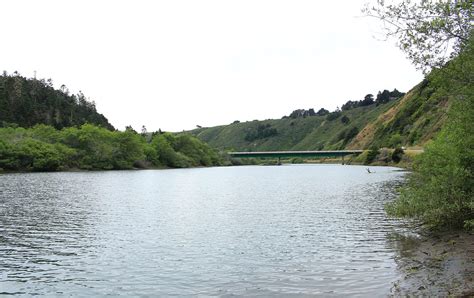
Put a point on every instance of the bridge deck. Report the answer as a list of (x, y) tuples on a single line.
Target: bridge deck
[(280, 154)]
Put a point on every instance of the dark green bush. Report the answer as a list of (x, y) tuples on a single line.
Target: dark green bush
[(397, 154), (43, 148)]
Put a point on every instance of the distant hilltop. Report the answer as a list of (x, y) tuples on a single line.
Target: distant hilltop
[(27, 102), (390, 119)]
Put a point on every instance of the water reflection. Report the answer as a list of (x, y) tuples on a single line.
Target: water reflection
[(223, 231)]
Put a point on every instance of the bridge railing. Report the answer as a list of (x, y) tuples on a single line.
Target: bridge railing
[(283, 154)]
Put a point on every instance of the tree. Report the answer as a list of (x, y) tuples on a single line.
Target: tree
[(345, 119), (429, 32), (397, 154), (28, 102), (302, 113), (368, 100), (383, 97), (371, 155), (322, 112), (437, 37), (334, 115), (396, 94)]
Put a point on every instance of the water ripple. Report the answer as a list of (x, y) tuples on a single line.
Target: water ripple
[(289, 230)]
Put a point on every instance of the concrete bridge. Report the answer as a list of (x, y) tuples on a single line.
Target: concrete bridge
[(284, 154)]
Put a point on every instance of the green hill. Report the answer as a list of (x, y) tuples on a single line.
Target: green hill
[(411, 120), (27, 102)]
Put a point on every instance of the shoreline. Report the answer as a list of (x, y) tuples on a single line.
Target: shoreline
[(435, 264), (405, 163), (330, 162)]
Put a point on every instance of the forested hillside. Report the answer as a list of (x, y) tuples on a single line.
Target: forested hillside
[(43, 129), (27, 102), (391, 119)]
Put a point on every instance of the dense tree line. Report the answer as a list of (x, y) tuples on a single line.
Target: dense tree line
[(386, 96), (334, 115), (261, 131), (27, 102), (90, 147), (382, 98), (302, 113)]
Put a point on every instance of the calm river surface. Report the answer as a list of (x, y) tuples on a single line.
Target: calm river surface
[(253, 230)]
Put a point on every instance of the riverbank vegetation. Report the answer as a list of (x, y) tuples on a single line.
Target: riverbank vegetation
[(441, 190), (90, 147)]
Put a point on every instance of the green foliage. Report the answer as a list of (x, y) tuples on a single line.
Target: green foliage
[(441, 189), (27, 102), (302, 113), (426, 30), (322, 112), (35, 155), (351, 133), (297, 160), (128, 149), (165, 152), (346, 135), (395, 140), (383, 97), (302, 133), (419, 118), (371, 155), (397, 154), (345, 119), (43, 148), (333, 115), (261, 131)]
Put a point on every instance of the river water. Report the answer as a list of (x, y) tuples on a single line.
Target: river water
[(250, 230)]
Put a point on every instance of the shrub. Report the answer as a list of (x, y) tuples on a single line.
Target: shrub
[(397, 154), (345, 119), (334, 115), (297, 160), (371, 155), (262, 131)]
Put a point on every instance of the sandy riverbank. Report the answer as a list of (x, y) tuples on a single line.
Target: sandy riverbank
[(439, 264)]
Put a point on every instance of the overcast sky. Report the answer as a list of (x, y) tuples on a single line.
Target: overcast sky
[(177, 64)]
